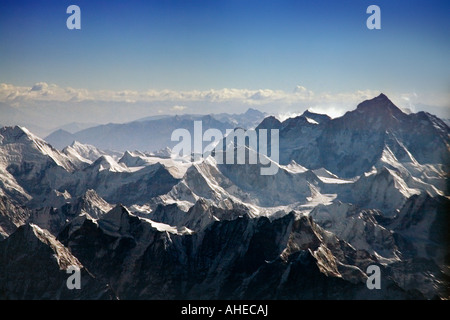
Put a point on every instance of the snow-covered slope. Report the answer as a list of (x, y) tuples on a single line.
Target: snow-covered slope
[(32, 172), (358, 227), (18, 144), (370, 187), (59, 212), (350, 145), (30, 166), (223, 187), (84, 152)]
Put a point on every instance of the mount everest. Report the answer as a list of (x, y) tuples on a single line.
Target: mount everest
[(368, 188)]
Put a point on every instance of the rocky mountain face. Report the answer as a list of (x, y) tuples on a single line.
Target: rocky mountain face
[(33, 265), (350, 145), (240, 258), (11, 217), (368, 188)]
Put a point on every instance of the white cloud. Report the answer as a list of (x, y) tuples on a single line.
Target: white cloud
[(178, 108), (302, 92), (50, 92), (50, 105), (40, 86)]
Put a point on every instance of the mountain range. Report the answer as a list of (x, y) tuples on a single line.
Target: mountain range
[(151, 133), (368, 188)]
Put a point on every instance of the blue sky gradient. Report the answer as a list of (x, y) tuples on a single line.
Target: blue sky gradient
[(187, 45)]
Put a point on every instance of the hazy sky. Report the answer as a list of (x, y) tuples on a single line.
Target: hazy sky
[(198, 46)]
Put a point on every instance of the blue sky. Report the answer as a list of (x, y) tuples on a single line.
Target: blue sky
[(323, 46), (185, 45)]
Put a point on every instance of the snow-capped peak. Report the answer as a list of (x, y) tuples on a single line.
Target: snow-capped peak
[(106, 162), (17, 143), (83, 152)]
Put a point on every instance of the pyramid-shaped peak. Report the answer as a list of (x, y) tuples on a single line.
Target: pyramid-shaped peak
[(106, 162), (318, 117), (118, 218), (379, 101), (104, 159), (127, 155), (118, 210), (382, 96), (269, 122), (16, 133), (381, 105), (255, 112), (307, 112)]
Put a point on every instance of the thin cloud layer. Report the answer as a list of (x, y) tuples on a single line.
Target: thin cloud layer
[(51, 92), (49, 105)]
